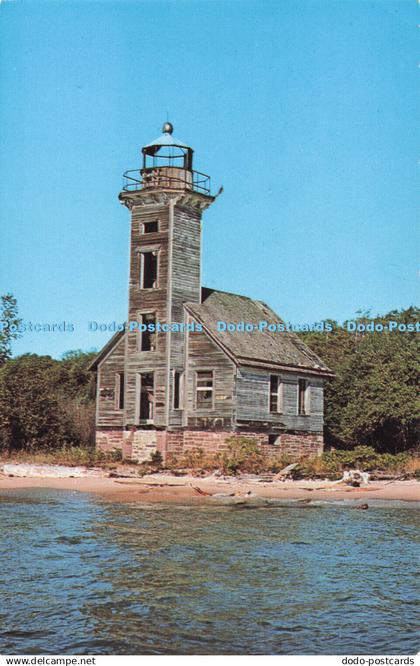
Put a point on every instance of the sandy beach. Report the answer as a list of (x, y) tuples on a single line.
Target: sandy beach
[(167, 488)]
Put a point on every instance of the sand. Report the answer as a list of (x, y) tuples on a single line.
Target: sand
[(167, 488)]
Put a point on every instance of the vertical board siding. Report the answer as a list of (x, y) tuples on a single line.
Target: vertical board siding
[(107, 412), (203, 354), (253, 400), (147, 300), (185, 285)]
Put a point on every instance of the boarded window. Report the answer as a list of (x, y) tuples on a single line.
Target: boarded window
[(274, 387), (119, 390), (150, 227), (276, 394), (178, 386), (204, 390), (148, 335), (148, 270), (147, 396), (302, 397)]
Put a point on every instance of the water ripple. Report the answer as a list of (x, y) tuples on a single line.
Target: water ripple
[(85, 576)]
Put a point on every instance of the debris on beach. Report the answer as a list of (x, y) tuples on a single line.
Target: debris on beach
[(285, 472), (223, 495), (50, 471), (355, 477), (199, 491), (362, 507)]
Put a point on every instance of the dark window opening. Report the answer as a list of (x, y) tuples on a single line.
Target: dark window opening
[(274, 393), (150, 227), (148, 270), (302, 386), (274, 440), (119, 385), (177, 390), (147, 394), (148, 336), (204, 390)]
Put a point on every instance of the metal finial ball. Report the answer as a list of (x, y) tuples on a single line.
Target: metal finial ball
[(167, 128)]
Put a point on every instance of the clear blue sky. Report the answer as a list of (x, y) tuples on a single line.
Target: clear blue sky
[(306, 112)]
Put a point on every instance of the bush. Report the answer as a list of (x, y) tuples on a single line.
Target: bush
[(156, 458), (196, 459), (333, 463), (243, 455)]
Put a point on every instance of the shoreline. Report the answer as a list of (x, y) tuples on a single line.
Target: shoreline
[(157, 488)]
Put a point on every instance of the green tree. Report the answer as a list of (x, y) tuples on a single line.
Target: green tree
[(374, 396), (32, 416), (9, 325), (76, 380)]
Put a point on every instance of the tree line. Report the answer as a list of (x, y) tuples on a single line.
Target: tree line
[(374, 397), (372, 400)]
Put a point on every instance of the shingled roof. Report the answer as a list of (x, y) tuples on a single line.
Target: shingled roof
[(257, 348), (263, 349)]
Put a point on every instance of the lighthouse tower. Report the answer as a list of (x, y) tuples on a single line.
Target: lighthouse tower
[(166, 198)]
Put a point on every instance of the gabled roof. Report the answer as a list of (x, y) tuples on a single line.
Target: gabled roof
[(106, 349), (257, 348), (261, 349)]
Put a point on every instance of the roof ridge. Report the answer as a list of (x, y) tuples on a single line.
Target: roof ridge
[(230, 293)]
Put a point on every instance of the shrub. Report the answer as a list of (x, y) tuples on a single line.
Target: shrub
[(243, 454), (156, 458), (333, 463), (196, 459)]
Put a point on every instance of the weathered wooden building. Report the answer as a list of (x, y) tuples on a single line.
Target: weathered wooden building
[(173, 379)]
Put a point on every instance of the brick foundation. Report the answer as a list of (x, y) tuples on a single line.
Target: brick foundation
[(140, 444), (294, 445)]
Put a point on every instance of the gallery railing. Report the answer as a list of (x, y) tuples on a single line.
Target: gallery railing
[(169, 178)]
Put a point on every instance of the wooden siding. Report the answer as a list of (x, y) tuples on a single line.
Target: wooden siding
[(147, 300), (253, 400), (203, 354), (178, 243), (107, 413), (185, 286)]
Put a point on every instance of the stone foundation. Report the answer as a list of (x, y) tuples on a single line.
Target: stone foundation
[(138, 445), (296, 445)]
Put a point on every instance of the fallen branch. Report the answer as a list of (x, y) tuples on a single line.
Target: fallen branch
[(284, 472), (201, 492)]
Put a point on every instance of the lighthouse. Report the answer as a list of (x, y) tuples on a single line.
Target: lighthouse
[(173, 379)]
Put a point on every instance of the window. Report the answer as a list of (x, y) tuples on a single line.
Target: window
[(274, 440), (145, 383), (276, 394), (148, 269), (303, 406), (178, 389), (150, 227), (119, 390), (148, 336), (204, 390)]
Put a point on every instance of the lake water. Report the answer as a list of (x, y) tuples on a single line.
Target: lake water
[(80, 575)]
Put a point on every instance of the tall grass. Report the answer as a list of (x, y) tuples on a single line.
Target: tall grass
[(65, 455)]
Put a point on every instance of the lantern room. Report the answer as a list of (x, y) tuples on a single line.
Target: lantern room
[(167, 164)]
